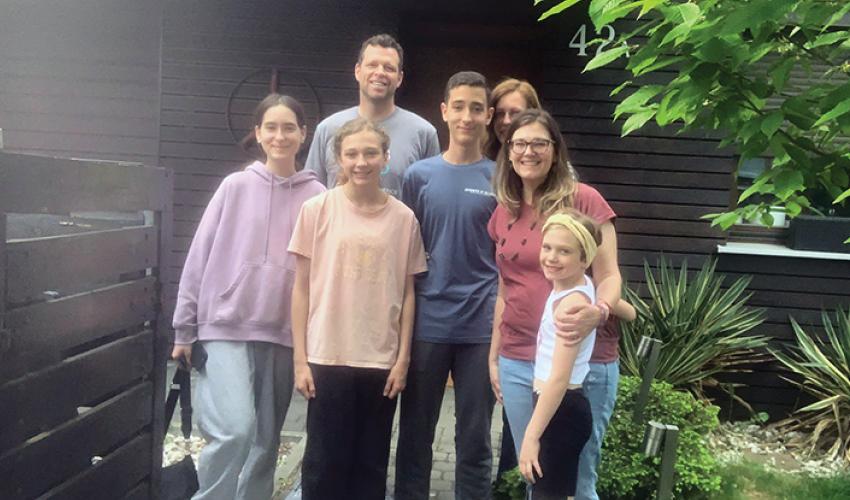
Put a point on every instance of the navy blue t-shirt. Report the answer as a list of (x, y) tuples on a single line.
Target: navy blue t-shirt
[(456, 297)]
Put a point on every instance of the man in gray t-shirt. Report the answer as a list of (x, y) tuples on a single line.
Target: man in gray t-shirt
[(379, 73)]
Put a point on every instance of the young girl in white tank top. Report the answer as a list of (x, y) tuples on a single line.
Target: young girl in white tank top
[(561, 422)]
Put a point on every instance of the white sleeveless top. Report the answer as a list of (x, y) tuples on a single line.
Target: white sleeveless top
[(546, 338)]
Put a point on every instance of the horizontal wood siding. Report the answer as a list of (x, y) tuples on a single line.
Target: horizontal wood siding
[(217, 59), (82, 341), (81, 79)]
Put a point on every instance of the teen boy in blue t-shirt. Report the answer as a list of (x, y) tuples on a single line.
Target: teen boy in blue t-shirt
[(452, 197)]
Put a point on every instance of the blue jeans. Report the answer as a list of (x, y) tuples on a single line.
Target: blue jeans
[(516, 378), (600, 388)]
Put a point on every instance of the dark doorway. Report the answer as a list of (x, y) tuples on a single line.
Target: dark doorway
[(437, 48)]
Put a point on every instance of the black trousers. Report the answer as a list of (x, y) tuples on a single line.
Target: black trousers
[(420, 409), (561, 445), (349, 425)]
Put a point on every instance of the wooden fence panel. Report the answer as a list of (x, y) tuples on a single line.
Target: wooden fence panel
[(82, 368), (31, 470), (40, 184), (38, 402), (41, 333), (113, 477), (61, 262), (5, 335)]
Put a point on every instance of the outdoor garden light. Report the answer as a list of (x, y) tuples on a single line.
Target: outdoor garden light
[(643, 346), (658, 434), (653, 438), (653, 348)]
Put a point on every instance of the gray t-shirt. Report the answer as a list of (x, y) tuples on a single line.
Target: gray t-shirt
[(411, 139)]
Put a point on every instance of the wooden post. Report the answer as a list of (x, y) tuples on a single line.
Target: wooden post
[(668, 463), (5, 335), (162, 340)]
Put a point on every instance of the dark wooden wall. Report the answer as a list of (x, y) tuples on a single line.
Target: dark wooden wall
[(86, 79), (660, 183), (81, 79), (217, 62)]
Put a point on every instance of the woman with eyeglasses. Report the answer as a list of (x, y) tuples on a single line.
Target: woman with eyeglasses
[(508, 99), (534, 179)]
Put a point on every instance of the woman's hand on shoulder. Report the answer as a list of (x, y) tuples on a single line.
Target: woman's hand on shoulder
[(575, 321)]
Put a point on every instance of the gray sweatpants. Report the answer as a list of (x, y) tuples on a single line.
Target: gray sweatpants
[(242, 396)]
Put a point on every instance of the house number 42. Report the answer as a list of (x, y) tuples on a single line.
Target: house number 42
[(579, 40)]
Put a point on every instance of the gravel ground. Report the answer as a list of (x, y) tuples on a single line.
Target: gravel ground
[(735, 441), (175, 447)]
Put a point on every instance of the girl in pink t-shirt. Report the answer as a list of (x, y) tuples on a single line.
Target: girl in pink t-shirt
[(357, 251)]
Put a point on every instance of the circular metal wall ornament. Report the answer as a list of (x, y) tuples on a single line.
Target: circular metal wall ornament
[(251, 89)]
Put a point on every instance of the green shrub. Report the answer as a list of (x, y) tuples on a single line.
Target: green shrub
[(509, 486), (824, 365), (703, 324), (626, 474)]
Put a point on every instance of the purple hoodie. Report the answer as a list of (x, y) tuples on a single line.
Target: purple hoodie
[(238, 276)]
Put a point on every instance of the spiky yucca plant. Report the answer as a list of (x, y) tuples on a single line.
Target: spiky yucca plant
[(702, 324), (824, 366)]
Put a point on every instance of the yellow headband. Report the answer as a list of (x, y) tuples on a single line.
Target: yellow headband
[(581, 233)]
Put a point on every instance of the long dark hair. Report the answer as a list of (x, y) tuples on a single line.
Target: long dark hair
[(266, 104)]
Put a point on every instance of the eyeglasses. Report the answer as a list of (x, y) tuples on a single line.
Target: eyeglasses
[(538, 146)]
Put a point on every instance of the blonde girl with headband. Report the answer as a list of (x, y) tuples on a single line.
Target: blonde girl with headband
[(561, 421), (357, 250)]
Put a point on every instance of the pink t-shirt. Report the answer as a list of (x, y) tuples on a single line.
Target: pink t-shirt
[(359, 261), (525, 291)]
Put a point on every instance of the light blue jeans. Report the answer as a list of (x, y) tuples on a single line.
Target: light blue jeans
[(516, 378), (600, 388)]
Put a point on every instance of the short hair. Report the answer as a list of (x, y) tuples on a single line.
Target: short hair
[(505, 87), (588, 223), (382, 40), (469, 78)]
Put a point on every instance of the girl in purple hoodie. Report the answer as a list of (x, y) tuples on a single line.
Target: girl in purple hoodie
[(234, 302)]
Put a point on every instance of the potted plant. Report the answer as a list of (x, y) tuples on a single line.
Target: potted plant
[(825, 228)]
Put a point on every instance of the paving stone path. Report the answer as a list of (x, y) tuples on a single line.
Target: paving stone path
[(443, 470)]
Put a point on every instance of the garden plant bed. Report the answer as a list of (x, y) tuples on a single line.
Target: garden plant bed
[(758, 463), (766, 445)]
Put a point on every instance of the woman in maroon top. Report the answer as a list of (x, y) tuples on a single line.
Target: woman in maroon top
[(533, 180)]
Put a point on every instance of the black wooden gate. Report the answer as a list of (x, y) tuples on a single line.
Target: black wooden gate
[(83, 339)]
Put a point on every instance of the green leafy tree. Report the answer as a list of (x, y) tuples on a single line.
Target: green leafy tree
[(735, 61)]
